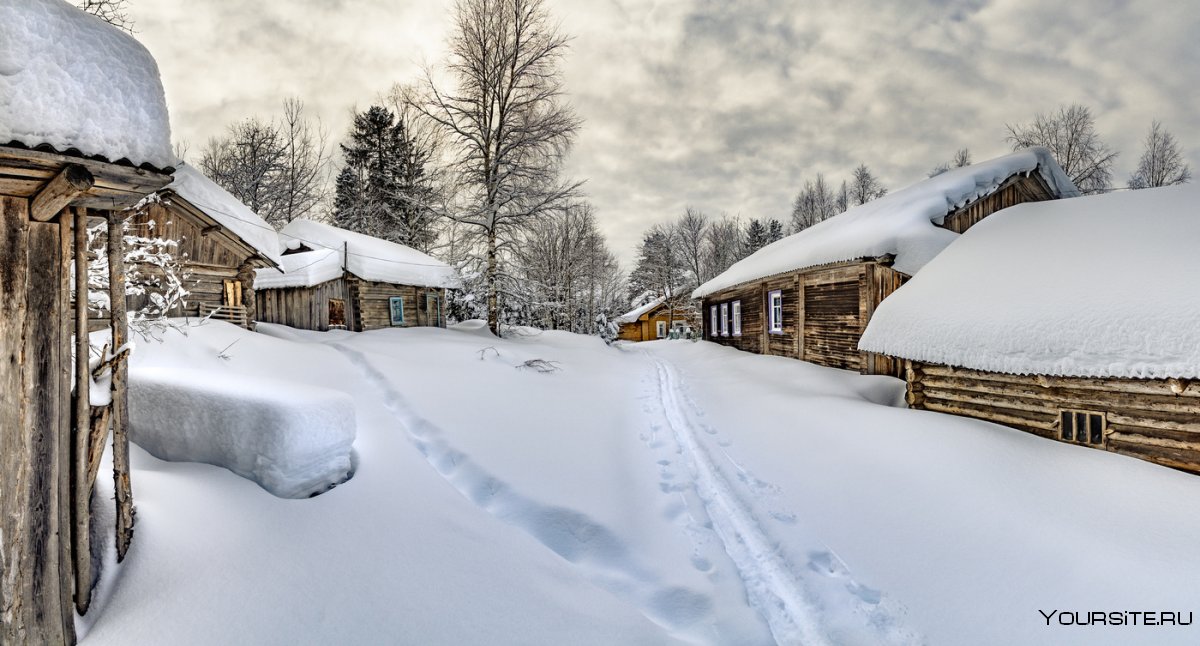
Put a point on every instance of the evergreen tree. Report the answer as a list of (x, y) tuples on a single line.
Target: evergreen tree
[(774, 231), (755, 238), (383, 190)]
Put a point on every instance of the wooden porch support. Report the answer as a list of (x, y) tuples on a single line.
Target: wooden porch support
[(74, 180), (81, 487), (120, 378)]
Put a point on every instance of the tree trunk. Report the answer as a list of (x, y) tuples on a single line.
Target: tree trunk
[(492, 277)]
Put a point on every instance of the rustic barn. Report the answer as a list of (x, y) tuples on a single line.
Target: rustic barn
[(1074, 320), (83, 135), (219, 243), (657, 319), (338, 279), (810, 295)]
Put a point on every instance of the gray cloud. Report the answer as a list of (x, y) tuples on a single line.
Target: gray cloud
[(726, 106)]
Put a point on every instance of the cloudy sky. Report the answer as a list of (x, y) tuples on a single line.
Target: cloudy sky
[(724, 105)]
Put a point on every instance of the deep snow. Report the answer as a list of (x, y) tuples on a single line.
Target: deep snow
[(641, 494)]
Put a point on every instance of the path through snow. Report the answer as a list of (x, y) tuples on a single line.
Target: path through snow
[(821, 604)]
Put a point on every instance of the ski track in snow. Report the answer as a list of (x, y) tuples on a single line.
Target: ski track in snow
[(828, 608)]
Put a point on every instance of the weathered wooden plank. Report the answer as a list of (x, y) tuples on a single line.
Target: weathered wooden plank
[(17, 624), (120, 375), (81, 488), (1148, 386), (42, 425)]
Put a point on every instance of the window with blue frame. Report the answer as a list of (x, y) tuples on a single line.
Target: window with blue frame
[(396, 305)]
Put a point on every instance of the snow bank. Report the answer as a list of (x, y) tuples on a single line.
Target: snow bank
[(293, 440), (228, 211), (1101, 286), (900, 223), (368, 258), (72, 81)]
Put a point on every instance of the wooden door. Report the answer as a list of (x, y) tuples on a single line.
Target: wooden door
[(832, 325), (232, 293), (337, 313)]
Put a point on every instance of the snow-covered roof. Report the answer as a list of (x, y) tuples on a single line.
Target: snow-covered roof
[(73, 82), (305, 269), (902, 223), (227, 210), (635, 314), (1102, 286), (367, 257)]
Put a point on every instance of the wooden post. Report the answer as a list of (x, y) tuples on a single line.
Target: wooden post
[(65, 324), (81, 487), (120, 376)]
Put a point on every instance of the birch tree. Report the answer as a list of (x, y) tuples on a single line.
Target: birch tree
[(1161, 163), (1070, 134), (113, 12), (506, 123)]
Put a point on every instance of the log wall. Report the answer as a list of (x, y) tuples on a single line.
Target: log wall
[(1152, 419), (367, 305), (208, 253), (825, 311)]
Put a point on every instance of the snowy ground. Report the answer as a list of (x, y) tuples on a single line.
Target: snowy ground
[(651, 493)]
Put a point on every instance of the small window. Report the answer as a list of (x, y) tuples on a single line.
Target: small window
[(1082, 427), (396, 306), (775, 311), (337, 314), (737, 318), (724, 319), (661, 329), (712, 326)]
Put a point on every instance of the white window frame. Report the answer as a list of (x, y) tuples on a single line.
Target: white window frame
[(712, 326), (724, 319), (775, 320), (660, 329), (737, 318), (392, 301)]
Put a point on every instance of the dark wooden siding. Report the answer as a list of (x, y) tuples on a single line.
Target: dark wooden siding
[(784, 343), (753, 321), (832, 325), (1153, 419), (306, 308), (1017, 190), (373, 308)]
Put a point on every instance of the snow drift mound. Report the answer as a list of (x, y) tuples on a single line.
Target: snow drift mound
[(292, 439)]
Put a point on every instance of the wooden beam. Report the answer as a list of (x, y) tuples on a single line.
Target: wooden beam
[(120, 377), (210, 229), (81, 488), (66, 325), (58, 193)]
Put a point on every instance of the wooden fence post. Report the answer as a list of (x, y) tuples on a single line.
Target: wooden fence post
[(120, 377)]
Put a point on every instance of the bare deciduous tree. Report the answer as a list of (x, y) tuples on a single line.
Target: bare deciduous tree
[(691, 232), (278, 169), (1070, 134), (1161, 163), (814, 203), (864, 186), (114, 12), (961, 158), (507, 126), (723, 245)]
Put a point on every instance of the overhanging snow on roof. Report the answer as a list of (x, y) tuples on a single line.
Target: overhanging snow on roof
[(902, 224)]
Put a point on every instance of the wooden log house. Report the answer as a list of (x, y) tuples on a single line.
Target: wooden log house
[(657, 319), (1072, 320), (337, 279), (811, 295), (219, 243)]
